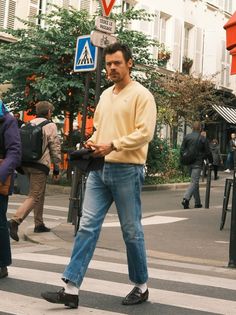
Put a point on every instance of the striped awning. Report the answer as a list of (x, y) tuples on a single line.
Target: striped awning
[(228, 113)]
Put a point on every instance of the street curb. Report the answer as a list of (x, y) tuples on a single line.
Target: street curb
[(52, 189)]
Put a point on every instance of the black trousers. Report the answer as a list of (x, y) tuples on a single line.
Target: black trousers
[(215, 169), (5, 249)]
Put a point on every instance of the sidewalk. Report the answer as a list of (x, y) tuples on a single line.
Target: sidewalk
[(199, 235)]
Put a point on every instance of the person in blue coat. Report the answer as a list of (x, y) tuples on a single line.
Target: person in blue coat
[(10, 158)]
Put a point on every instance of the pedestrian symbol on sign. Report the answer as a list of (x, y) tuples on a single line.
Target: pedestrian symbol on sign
[(86, 55)]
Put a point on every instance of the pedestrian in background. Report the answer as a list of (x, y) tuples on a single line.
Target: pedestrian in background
[(124, 124), (196, 140), (37, 173), (216, 155), (230, 156), (10, 158), (19, 121)]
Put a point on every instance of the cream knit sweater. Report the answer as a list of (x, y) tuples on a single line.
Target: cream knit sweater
[(128, 120)]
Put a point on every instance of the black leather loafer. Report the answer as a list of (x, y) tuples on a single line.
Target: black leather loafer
[(185, 203), (3, 272), (60, 297), (135, 297), (13, 229), (41, 229), (198, 206)]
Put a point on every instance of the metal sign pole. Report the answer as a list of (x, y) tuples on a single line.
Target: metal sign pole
[(98, 75), (85, 106), (232, 244)]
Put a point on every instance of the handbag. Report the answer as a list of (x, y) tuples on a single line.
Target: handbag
[(5, 187), (84, 160)]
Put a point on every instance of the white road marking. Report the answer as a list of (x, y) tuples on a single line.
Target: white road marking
[(170, 298), (154, 273)]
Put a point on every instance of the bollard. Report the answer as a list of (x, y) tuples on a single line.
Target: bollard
[(208, 187), (232, 243)]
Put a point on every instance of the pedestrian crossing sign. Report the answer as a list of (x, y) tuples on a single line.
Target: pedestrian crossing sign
[(85, 55)]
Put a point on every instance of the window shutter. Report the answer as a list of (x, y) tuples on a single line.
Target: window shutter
[(198, 50), (33, 10), (2, 12), (11, 14), (176, 53), (85, 5), (66, 4), (144, 25), (156, 25)]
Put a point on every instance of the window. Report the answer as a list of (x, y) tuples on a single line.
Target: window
[(186, 40), (162, 34), (228, 6), (125, 6)]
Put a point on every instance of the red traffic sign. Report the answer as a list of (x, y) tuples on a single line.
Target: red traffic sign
[(107, 6)]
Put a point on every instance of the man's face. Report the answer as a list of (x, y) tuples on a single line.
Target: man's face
[(117, 68), (233, 135)]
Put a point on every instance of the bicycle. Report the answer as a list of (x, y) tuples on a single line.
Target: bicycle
[(76, 197)]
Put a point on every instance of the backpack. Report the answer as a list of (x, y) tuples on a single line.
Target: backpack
[(32, 141), (189, 154)]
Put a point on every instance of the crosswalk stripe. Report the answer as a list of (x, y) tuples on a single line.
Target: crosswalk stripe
[(24, 305), (57, 208), (46, 216), (189, 301), (154, 273)]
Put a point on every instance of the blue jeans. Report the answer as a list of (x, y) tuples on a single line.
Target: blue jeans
[(230, 161), (5, 249), (193, 189), (122, 184)]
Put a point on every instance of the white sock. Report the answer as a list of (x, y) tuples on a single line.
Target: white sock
[(70, 288), (142, 287)]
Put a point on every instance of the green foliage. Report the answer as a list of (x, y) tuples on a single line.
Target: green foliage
[(163, 164)]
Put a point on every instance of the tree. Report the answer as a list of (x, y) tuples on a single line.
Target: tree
[(39, 64), (186, 98)]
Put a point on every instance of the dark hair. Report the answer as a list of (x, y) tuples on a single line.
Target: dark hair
[(113, 48)]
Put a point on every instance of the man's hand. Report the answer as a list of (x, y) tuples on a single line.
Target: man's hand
[(101, 150)]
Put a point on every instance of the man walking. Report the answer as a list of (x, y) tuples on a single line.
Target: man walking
[(124, 121), (10, 157), (230, 156), (37, 172), (198, 142)]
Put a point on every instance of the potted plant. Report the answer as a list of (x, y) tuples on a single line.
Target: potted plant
[(186, 64), (163, 55)]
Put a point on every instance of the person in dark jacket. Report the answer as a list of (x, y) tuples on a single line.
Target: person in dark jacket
[(196, 138), (10, 154), (216, 155), (230, 155)]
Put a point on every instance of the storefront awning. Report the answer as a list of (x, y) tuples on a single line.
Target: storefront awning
[(228, 113)]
